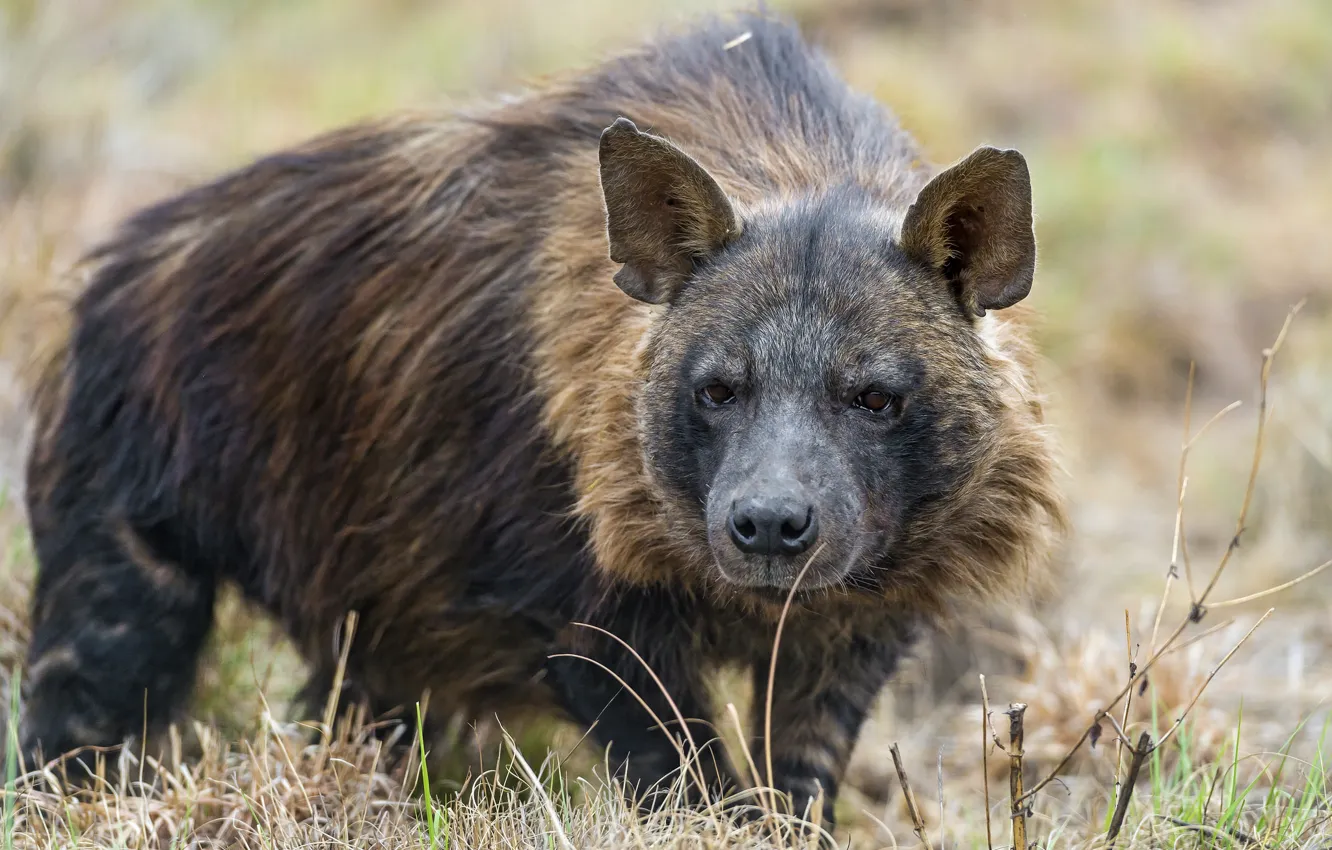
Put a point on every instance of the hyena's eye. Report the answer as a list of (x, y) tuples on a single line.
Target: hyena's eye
[(876, 401), (716, 395)]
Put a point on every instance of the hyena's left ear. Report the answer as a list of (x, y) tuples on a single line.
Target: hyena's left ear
[(973, 223), (663, 210)]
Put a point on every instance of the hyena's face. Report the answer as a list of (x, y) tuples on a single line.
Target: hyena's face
[(817, 380), (810, 392)]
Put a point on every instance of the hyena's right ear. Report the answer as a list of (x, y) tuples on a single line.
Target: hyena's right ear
[(662, 211), (973, 224)]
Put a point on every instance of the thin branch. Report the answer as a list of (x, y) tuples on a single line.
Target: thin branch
[(1271, 590), (985, 759), (1120, 734), (1217, 669), (1017, 732), (918, 822), (989, 721), (1172, 572), (1216, 417), (1128, 703), (1203, 635), (1268, 356), (1179, 504), (1140, 753)]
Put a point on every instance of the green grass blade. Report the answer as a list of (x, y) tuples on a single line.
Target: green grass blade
[(11, 762), (432, 819)]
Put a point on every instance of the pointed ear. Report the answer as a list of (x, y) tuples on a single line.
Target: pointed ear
[(662, 211), (973, 224)]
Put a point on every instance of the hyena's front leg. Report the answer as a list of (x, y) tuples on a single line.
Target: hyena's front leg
[(823, 690), (595, 691)]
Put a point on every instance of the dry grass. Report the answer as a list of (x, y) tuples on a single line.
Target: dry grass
[(1179, 155)]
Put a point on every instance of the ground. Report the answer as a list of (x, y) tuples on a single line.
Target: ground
[(1182, 186)]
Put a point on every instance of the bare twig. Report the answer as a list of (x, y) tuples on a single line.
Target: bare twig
[(1179, 501), (1016, 733), (1217, 669), (1180, 547), (1128, 701), (1140, 753), (1172, 572), (1216, 417), (1268, 356), (1203, 635), (985, 760), (1120, 734), (989, 721), (1271, 590), (918, 822)]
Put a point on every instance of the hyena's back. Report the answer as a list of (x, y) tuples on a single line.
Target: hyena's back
[(310, 377)]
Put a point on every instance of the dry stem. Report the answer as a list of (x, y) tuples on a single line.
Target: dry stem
[(540, 790), (754, 778), (1268, 356), (1140, 753), (772, 675), (1016, 711), (985, 759), (1128, 701), (918, 822), (1271, 590), (339, 674), (1217, 669), (675, 709)]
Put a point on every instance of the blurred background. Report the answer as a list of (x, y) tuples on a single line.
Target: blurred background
[(1183, 189)]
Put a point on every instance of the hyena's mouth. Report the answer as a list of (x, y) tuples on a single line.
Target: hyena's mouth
[(812, 575)]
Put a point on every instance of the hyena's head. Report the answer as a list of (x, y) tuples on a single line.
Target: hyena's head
[(820, 384)]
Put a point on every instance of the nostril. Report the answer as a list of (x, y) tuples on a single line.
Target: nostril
[(796, 525), (800, 533), (743, 531)]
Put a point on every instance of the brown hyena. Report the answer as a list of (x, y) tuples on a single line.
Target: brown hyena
[(483, 376)]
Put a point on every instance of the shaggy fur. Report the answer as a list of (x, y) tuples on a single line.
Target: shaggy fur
[(390, 370)]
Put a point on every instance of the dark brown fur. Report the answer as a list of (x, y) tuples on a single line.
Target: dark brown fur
[(388, 371)]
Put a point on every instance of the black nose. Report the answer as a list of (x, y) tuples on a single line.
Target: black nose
[(773, 526)]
